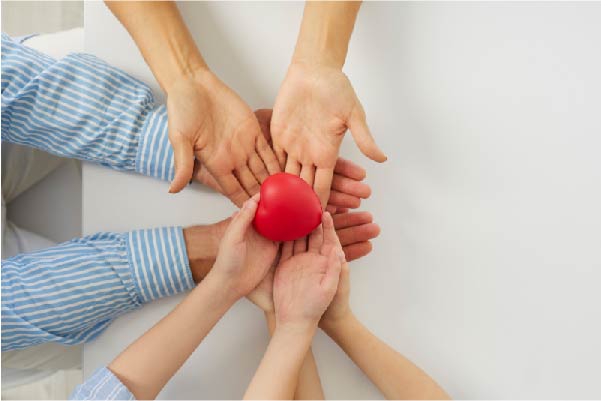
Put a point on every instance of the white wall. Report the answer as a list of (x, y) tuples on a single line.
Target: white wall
[(488, 267)]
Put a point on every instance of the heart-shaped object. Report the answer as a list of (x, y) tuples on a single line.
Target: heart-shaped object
[(288, 208)]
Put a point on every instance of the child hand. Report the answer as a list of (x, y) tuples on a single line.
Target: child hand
[(244, 256), (306, 282)]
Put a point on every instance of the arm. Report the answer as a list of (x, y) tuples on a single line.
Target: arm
[(314, 81), (243, 260), (71, 293), (393, 374), (171, 341), (225, 136), (80, 107), (304, 285), (308, 386)]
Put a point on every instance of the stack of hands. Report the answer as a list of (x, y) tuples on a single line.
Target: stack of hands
[(219, 141)]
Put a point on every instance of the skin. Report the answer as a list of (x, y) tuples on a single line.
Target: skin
[(395, 376), (347, 187), (244, 259), (303, 286), (225, 137), (316, 103)]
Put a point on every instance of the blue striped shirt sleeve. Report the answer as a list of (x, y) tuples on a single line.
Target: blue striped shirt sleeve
[(80, 107), (102, 385), (70, 293)]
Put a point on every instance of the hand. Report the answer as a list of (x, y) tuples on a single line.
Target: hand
[(210, 121), (347, 187), (354, 230), (314, 107), (244, 256), (339, 308), (305, 283)]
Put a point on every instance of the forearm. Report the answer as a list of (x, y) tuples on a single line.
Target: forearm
[(325, 32), (278, 372), (393, 374), (162, 37), (71, 292), (309, 384), (148, 364)]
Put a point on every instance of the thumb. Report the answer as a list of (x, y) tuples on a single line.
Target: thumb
[(241, 222), (363, 137), (183, 155), (330, 280)]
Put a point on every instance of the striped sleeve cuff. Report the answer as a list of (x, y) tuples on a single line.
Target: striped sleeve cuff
[(155, 155), (159, 262), (102, 385)]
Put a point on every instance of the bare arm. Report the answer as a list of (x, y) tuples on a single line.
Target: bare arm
[(396, 376), (162, 37), (171, 341), (309, 384)]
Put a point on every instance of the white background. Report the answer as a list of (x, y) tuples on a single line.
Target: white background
[(488, 270)]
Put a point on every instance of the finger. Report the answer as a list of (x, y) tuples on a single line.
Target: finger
[(331, 209), (255, 164), (204, 176), (340, 199), (183, 155), (307, 173), (300, 245), (349, 169), (330, 280), (315, 240), (330, 239), (270, 160), (248, 180), (242, 220), (292, 166), (287, 248), (351, 219), (363, 137), (264, 119), (322, 184), (350, 186), (352, 235), (342, 210), (232, 189), (280, 154), (356, 251)]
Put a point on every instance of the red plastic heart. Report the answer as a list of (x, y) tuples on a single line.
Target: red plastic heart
[(288, 208)]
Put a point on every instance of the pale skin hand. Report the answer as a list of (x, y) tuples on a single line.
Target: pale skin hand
[(347, 187), (304, 285), (207, 120), (395, 376), (316, 103), (243, 260)]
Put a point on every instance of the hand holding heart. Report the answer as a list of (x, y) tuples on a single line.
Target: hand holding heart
[(244, 256)]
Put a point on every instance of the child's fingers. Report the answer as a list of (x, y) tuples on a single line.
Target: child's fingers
[(242, 220), (316, 239), (330, 280), (287, 248), (330, 239)]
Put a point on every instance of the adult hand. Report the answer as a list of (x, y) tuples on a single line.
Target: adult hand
[(210, 121), (244, 256), (315, 106), (305, 283), (347, 187)]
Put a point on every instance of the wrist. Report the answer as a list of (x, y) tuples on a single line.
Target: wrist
[(335, 327), (202, 245), (325, 33), (220, 291), (270, 319), (295, 333)]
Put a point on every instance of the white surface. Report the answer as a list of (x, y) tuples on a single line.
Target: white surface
[(488, 267)]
